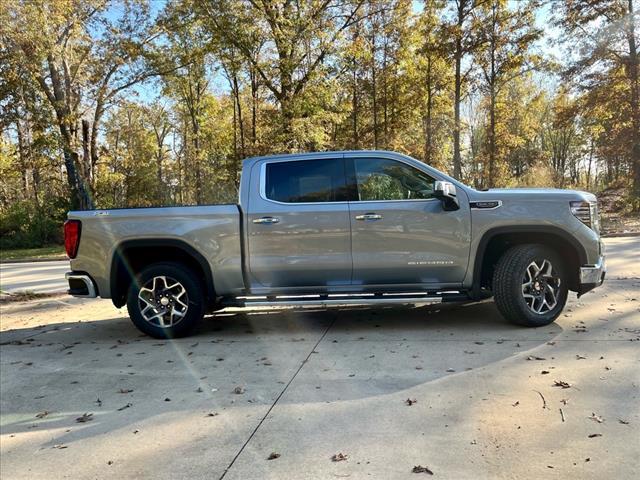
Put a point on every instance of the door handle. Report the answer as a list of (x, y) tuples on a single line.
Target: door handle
[(369, 216), (266, 220)]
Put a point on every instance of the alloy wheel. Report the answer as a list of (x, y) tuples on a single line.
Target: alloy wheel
[(163, 301), (541, 286)]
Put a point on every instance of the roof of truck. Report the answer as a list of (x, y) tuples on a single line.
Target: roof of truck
[(330, 153)]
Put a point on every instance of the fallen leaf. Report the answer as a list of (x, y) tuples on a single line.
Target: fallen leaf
[(339, 457), (273, 456), (85, 417), (421, 469), (562, 384)]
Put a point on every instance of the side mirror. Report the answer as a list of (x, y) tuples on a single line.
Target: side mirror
[(446, 192)]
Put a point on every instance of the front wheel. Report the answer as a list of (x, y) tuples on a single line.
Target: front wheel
[(530, 285), (166, 300)]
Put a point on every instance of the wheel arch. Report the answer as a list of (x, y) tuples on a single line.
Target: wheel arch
[(131, 256), (496, 241)]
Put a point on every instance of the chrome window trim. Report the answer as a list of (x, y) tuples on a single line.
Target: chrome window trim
[(263, 180), (393, 201)]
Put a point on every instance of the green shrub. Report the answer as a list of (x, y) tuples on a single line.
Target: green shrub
[(24, 224)]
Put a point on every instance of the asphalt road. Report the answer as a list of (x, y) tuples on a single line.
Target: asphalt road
[(456, 389), (37, 277)]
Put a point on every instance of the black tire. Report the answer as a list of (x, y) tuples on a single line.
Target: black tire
[(510, 275), (189, 287)]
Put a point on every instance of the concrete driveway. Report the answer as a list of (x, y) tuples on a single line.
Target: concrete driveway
[(455, 389)]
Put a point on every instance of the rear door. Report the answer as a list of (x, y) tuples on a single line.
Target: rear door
[(400, 232), (299, 233)]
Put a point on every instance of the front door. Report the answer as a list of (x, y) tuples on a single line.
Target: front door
[(299, 234), (400, 232)]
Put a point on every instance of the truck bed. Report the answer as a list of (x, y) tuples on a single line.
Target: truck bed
[(211, 230)]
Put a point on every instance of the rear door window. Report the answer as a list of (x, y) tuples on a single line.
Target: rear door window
[(306, 181)]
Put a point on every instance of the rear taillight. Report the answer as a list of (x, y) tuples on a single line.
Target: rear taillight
[(72, 237)]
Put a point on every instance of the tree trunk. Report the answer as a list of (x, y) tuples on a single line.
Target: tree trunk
[(198, 166), (86, 150), (22, 157), (97, 118), (385, 94), (236, 95), (59, 99), (254, 108), (632, 72), (457, 159), (374, 90), (354, 107), (492, 107), (591, 148), (492, 139), (428, 146)]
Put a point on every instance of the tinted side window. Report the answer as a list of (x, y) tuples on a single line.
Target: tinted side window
[(306, 181), (382, 179)]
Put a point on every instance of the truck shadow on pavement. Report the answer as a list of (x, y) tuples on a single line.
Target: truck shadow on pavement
[(241, 360)]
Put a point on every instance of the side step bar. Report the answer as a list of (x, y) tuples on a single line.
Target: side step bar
[(338, 299)]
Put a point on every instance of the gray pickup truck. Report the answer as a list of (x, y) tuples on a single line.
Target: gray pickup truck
[(356, 227)]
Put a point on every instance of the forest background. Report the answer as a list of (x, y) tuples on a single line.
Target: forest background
[(107, 104)]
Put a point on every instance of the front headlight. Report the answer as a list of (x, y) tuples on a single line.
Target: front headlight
[(587, 213)]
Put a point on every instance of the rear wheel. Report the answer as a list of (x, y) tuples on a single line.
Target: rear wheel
[(530, 285), (166, 300)]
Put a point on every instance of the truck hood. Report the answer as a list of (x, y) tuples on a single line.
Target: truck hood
[(527, 193)]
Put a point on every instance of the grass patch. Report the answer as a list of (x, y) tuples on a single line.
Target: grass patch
[(52, 252)]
